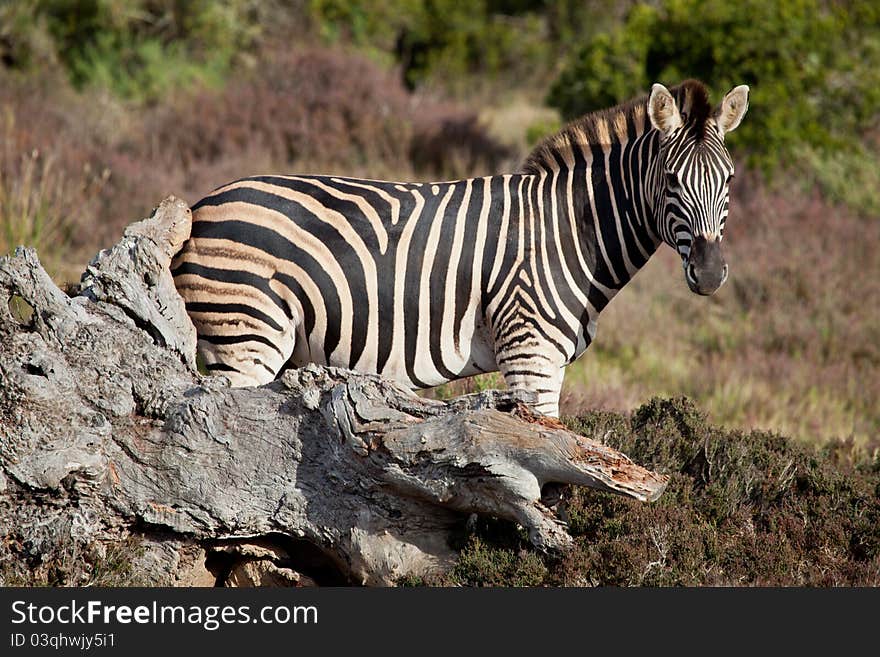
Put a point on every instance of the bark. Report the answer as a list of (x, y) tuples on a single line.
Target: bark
[(110, 437)]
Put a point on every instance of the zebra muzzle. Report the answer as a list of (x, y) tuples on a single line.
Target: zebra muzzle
[(705, 269)]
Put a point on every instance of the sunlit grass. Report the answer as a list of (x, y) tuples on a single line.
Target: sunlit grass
[(27, 215), (40, 202), (478, 383)]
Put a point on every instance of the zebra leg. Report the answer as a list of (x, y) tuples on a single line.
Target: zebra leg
[(540, 377)]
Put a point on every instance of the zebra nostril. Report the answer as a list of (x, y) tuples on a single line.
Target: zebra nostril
[(724, 271)]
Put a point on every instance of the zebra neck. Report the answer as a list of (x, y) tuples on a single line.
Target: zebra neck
[(610, 210)]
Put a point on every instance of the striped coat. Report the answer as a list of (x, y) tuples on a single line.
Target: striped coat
[(425, 283)]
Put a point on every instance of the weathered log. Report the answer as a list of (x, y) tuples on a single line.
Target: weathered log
[(107, 431)]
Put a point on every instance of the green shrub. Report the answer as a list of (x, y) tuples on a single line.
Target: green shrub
[(442, 41), (847, 175), (609, 69), (484, 565), (135, 48), (541, 128), (813, 67)]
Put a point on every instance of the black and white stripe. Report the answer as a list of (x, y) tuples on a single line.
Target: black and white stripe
[(429, 282)]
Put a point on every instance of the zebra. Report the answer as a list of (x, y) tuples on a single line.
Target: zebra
[(425, 283)]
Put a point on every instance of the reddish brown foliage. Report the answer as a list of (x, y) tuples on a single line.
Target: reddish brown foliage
[(308, 111), (447, 140), (741, 510), (315, 105)]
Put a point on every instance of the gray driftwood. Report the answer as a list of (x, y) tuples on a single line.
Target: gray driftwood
[(107, 432)]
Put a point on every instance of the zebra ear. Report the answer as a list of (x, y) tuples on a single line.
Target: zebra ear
[(732, 109), (662, 110)]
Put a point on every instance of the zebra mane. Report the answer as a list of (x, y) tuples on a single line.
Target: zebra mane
[(615, 125)]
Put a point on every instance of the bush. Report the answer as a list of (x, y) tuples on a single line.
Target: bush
[(443, 41), (137, 49), (340, 113), (484, 565), (848, 176), (813, 67), (740, 509), (312, 105), (610, 69), (449, 141)]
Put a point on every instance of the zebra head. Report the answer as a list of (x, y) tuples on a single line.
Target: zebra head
[(694, 170)]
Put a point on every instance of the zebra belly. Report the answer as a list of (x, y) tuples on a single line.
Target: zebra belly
[(453, 356)]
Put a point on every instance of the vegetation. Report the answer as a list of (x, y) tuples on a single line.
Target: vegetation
[(68, 561), (741, 509), (813, 68), (108, 107), (462, 45), (133, 48)]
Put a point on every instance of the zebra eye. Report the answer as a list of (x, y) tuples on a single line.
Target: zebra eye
[(671, 180), (729, 178)]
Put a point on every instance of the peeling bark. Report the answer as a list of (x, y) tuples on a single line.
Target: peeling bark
[(107, 432)]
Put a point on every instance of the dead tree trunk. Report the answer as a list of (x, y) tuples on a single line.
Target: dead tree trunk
[(108, 432)]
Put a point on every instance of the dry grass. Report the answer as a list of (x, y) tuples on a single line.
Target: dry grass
[(49, 184)]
